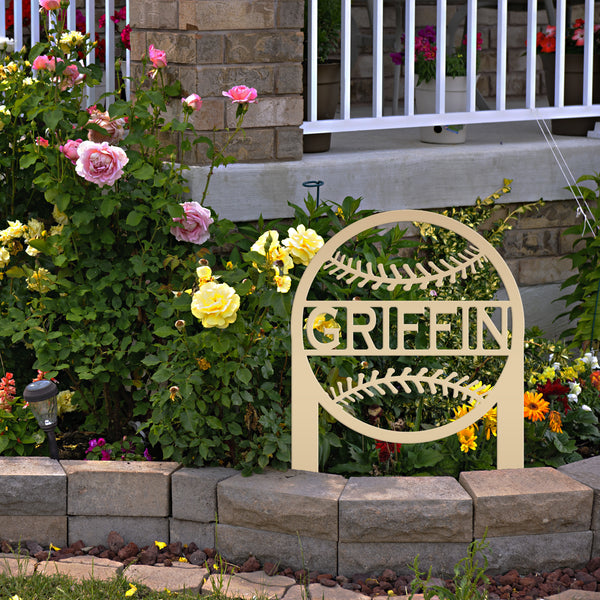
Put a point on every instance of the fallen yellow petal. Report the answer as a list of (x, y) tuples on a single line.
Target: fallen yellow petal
[(131, 591), (160, 545)]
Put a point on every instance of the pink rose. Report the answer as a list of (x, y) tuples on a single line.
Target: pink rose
[(241, 94), (71, 77), (158, 57), (44, 63), (194, 224), (101, 164), (70, 150), (114, 128), (50, 4), (193, 101)]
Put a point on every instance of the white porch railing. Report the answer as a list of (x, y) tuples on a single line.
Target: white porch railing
[(29, 31), (498, 113)]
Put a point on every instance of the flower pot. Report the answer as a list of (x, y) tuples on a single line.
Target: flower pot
[(328, 96), (573, 92), (456, 101)]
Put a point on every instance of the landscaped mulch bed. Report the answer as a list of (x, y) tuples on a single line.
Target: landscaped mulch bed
[(507, 586)]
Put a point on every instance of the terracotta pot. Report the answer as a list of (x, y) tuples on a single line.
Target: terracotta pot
[(456, 101), (573, 92), (328, 97)]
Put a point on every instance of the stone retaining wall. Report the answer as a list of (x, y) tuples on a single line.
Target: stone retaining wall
[(536, 519)]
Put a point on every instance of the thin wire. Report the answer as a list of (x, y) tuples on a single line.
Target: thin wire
[(563, 166)]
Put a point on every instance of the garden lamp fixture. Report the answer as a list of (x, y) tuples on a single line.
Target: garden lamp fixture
[(41, 396)]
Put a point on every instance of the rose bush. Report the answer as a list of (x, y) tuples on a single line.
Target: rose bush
[(91, 207)]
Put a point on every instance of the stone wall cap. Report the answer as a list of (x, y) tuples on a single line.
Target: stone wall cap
[(293, 481), (117, 466), (403, 488), (516, 482), (30, 466), (586, 471)]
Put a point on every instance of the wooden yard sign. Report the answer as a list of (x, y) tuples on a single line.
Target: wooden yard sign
[(379, 329)]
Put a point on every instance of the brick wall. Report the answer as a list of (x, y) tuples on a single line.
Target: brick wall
[(535, 246), (212, 45)]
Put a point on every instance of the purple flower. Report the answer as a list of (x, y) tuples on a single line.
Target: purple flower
[(147, 454), (105, 455)]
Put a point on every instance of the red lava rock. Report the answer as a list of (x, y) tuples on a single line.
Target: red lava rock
[(301, 576), (5, 547), (175, 548), (288, 572), (585, 577), (565, 580), (115, 541), (385, 585), (328, 582), (576, 585), (197, 558), (270, 568), (41, 556), (568, 571), (371, 582), (167, 562), (129, 551), (511, 578), (250, 565), (324, 576), (148, 556), (388, 575), (590, 586), (593, 565), (528, 582), (129, 561), (105, 554), (365, 590), (210, 552), (554, 575)]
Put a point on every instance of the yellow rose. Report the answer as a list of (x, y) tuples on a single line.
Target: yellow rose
[(283, 283), (303, 244), (215, 304), (4, 257), (204, 275), (278, 257), (38, 281)]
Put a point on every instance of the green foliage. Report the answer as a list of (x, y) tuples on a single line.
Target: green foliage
[(469, 578), (87, 276), (583, 301), (329, 24), (20, 434)]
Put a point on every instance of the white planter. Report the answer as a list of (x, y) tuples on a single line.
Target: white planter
[(456, 101)]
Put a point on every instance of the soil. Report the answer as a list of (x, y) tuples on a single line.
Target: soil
[(508, 586)]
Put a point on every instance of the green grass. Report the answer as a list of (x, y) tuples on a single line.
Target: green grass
[(61, 587)]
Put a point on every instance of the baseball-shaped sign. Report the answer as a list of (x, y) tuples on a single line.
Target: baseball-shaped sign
[(383, 331)]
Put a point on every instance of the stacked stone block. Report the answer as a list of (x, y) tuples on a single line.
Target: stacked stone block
[(386, 521), (288, 518), (533, 519), (105, 496), (214, 45), (33, 504), (194, 504)]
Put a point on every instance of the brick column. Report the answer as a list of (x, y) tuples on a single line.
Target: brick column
[(212, 45)]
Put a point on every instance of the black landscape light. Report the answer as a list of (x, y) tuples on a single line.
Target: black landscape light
[(41, 396)]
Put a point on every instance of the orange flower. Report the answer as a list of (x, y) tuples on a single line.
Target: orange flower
[(555, 422), (535, 406), (595, 379)]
